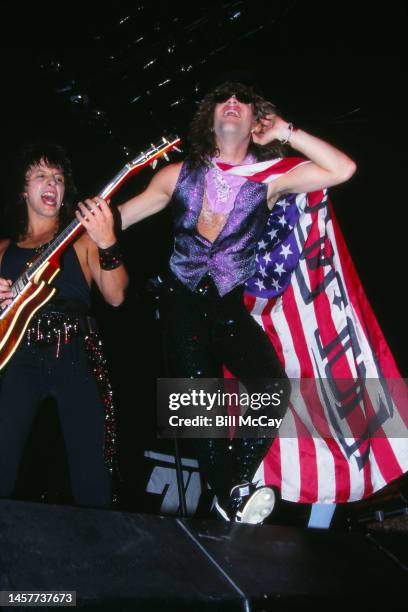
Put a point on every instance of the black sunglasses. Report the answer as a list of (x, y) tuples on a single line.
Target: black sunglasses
[(244, 97)]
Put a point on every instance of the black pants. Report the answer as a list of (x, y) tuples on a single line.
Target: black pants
[(202, 332), (33, 374)]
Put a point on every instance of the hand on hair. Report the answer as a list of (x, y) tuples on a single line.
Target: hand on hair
[(270, 127)]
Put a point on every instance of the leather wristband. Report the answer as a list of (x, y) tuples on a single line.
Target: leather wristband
[(110, 258)]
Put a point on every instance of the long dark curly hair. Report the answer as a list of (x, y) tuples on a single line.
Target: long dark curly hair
[(15, 210), (201, 135)]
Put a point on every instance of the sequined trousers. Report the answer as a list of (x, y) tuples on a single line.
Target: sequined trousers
[(53, 328), (61, 357), (203, 332)]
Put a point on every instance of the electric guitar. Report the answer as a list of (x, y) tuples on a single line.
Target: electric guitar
[(33, 288)]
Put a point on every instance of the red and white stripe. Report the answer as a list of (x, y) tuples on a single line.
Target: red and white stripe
[(307, 468), (266, 171)]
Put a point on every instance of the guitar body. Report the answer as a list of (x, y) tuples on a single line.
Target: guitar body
[(14, 324)]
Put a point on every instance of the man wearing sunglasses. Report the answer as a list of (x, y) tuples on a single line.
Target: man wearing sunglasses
[(218, 219)]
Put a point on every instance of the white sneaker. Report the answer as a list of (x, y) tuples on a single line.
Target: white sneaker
[(247, 504)]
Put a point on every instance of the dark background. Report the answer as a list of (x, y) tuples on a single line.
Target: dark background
[(107, 80)]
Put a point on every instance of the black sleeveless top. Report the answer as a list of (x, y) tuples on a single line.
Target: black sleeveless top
[(73, 293)]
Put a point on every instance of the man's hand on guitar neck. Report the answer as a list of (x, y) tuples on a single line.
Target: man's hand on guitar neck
[(5, 292), (96, 217)]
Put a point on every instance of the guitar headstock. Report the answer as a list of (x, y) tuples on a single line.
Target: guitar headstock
[(146, 158), (152, 154)]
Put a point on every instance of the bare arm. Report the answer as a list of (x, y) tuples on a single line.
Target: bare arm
[(155, 197), (329, 166), (111, 283), (99, 225)]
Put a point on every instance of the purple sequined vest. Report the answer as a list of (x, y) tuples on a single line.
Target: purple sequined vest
[(230, 259)]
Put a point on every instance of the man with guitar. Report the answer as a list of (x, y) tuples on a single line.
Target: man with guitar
[(219, 218), (59, 353)]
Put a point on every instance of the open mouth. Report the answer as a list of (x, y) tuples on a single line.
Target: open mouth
[(49, 198), (231, 113)]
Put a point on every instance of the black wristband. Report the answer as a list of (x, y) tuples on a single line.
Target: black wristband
[(110, 258)]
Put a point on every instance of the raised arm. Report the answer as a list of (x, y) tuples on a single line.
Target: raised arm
[(155, 197), (329, 166)]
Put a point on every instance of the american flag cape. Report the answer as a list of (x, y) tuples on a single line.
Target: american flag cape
[(308, 298)]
